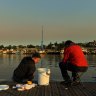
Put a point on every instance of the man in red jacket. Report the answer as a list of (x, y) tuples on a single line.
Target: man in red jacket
[(74, 61)]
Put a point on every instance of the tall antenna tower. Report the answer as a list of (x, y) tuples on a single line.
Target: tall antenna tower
[(42, 40)]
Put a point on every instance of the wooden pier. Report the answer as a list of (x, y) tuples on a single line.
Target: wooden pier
[(53, 89)]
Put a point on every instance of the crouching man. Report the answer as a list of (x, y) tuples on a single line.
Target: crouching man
[(25, 70)]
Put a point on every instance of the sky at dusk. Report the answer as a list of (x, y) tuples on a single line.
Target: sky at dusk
[(21, 21)]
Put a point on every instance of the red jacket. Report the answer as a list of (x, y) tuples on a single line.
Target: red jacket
[(75, 56)]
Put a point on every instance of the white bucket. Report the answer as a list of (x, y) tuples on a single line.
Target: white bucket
[(43, 76)]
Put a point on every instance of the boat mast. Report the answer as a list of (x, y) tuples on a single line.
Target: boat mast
[(42, 39)]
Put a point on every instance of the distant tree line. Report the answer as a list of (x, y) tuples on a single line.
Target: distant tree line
[(56, 45)]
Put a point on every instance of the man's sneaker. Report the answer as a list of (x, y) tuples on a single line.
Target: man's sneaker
[(66, 82), (75, 83)]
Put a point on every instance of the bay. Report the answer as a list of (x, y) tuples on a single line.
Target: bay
[(8, 62)]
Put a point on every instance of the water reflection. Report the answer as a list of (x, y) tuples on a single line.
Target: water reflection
[(50, 60), (46, 60), (91, 60), (42, 62), (9, 62)]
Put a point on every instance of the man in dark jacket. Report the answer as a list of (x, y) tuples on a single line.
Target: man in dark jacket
[(74, 61), (25, 70)]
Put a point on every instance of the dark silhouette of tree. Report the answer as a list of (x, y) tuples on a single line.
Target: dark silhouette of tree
[(21, 46), (9, 47), (14, 47), (49, 46), (30, 46), (1, 46)]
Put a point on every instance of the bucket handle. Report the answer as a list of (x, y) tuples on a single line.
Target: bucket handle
[(47, 73)]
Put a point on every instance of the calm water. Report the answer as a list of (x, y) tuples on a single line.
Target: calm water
[(9, 62)]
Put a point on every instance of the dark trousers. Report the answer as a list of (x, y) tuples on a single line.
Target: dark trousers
[(15, 79), (70, 67)]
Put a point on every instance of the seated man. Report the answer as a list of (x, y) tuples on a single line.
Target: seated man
[(74, 61), (25, 70)]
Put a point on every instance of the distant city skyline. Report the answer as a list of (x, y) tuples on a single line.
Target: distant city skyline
[(21, 21)]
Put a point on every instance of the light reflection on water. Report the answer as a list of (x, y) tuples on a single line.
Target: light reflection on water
[(9, 62)]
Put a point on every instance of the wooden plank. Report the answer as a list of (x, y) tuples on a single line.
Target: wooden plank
[(41, 91), (78, 91), (33, 91), (90, 88), (62, 90), (2, 93), (48, 90), (53, 89)]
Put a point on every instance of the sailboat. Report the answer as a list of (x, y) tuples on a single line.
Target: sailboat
[(42, 51)]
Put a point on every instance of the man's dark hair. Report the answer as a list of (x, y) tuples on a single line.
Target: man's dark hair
[(68, 42), (36, 55)]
